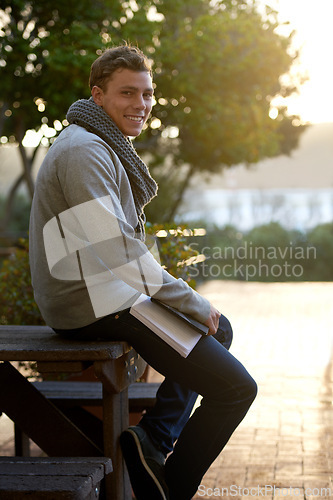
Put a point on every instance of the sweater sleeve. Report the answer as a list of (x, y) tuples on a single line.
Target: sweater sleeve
[(94, 239)]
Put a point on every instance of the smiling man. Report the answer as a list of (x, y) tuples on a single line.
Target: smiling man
[(89, 264), (127, 100)]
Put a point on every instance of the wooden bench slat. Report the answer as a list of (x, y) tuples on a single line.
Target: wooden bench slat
[(52, 478), (140, 394), (45, 469), (51, 488), (39, 343), (86, 393), (67, 461)]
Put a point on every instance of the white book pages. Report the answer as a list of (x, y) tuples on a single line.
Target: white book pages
[(173, 330)]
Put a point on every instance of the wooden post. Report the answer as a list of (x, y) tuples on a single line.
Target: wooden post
[(115, 420)]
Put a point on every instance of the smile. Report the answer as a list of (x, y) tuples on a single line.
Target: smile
[(134, 118)]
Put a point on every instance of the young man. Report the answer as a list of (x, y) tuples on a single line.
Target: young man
[(89, 263)]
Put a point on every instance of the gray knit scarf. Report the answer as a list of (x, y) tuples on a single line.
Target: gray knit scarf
[(93, 118)]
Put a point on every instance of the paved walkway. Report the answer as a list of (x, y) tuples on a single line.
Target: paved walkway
[(284, 447)]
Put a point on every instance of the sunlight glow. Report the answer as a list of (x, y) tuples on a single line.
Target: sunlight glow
[(312, 23), (32, 138)]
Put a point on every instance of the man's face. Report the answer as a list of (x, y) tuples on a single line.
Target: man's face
[(127, 99)]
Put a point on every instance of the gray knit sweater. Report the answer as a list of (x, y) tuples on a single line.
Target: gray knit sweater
[(85, 259)]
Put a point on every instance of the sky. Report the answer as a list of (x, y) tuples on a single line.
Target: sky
[(312, 21)]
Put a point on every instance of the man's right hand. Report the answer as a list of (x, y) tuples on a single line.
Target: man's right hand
[(213, 320)]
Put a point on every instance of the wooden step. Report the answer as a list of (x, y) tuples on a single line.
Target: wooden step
[(46, 478), (141, 395)]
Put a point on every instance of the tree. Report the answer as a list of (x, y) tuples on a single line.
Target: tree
[(217, 72), (218, 65), (46, 49)]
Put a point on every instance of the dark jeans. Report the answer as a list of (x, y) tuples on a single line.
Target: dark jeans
[(226, 388), (175, 402)]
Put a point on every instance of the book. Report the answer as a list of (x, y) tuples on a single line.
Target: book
[(179, 330), (201, 328)]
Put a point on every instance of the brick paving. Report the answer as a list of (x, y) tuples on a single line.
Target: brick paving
[(284, 446), (283, 334)]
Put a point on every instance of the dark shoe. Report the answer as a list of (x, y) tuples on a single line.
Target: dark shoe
[(145, 465)]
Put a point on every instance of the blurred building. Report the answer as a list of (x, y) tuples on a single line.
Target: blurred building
[(296, 191)]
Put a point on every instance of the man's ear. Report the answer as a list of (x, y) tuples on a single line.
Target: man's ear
[(97, 94)]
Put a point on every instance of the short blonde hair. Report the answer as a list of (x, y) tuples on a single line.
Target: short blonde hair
[(124, 56)]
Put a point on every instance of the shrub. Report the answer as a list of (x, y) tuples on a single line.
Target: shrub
[(268, 253), (174, 252), (17, 304), (321, 237)]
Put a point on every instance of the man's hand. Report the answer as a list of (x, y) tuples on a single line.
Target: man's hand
[(213, 320)]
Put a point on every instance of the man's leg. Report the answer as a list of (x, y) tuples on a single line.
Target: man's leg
[(227, 392), (165, 421), (174, 403)]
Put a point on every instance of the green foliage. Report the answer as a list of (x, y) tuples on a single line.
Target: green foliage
[(17, 305), (321, 237), (174, 251), (222, 87), (46, 51), (269, 234), (267, 253)]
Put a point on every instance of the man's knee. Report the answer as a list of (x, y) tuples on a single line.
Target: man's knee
[(224, 333), (252, 389)]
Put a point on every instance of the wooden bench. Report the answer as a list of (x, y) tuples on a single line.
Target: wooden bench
[(70, 394), (115, 364), (44, 478)]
